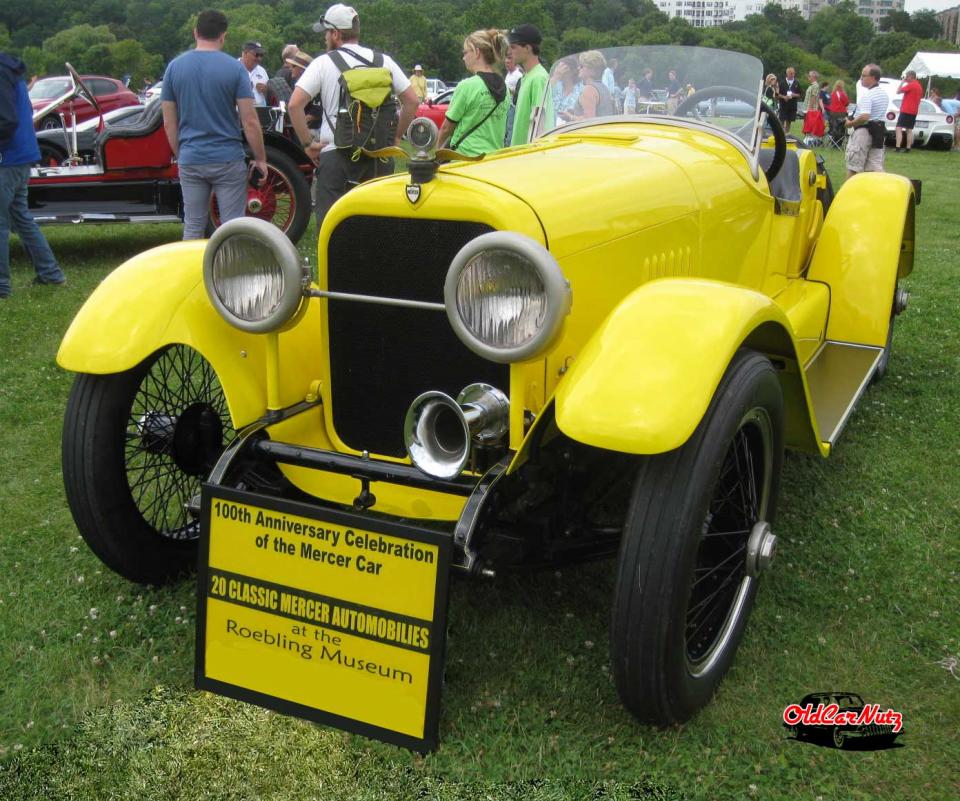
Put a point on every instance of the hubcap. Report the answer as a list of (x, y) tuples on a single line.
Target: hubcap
[(761, 548), (901, 299)]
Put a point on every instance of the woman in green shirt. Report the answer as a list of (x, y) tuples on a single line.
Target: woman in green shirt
[(476, 119)]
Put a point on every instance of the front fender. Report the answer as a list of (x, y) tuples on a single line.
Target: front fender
[(157, 298), (644, 380), (866, 244)]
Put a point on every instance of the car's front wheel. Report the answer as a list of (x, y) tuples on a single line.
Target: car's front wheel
[(136, 446), (50, 123), (695, 539)]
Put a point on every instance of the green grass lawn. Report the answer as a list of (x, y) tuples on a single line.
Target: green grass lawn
[(96, 673)]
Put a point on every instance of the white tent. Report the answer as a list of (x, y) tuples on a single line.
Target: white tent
[(928, 65)]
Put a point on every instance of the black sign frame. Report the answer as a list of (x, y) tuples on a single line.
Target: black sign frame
[(438, 639)]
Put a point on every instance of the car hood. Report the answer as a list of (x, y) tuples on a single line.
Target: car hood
[(627, 178)]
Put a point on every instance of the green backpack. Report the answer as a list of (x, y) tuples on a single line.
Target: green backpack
[(367, 110)]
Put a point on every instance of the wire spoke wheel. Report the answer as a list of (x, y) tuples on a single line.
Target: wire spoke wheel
[(720, 581), (136, 447), (696, 536), (282, 198), (177, 427)]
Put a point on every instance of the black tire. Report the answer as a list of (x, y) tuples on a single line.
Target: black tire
[(838, 738), (283, 198), (50, 155), (50, 123), (682, 530), (136, 446)]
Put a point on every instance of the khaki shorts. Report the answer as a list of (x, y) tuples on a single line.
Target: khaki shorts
[(860, 156)]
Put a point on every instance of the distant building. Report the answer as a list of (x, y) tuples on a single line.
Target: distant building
[(950, 24), (807, 8), (876, 10), (707, 13), (699, 13)]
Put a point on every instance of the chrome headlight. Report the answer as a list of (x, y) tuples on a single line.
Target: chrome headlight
[(506, 296), (253, 275)]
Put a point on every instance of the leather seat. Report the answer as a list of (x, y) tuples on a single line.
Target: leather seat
[(149, 121)]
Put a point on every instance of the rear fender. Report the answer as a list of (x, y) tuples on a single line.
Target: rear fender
[(156, 299), (645, 379), (867, 243)]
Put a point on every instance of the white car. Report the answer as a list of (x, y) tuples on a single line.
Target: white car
[(933, 128), (434, 87), (153, 92)]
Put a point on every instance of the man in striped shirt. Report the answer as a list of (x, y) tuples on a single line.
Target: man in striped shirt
[(865, 145)]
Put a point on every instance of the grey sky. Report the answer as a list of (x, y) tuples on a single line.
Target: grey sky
[(912, 6)]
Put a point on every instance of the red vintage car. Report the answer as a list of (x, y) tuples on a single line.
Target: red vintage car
[(110, 94), (436, 108), (131, 176)]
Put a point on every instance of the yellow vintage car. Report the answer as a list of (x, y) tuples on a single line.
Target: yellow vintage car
[(595, 345)]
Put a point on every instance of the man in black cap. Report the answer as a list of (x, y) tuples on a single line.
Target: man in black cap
[(251, 59), (525, 49)]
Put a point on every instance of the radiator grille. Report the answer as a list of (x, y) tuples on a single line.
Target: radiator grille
[(382, 357)]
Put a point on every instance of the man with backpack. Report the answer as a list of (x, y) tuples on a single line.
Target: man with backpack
[(355, 86)]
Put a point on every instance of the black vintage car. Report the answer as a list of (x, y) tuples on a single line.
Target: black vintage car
[(849, 705)]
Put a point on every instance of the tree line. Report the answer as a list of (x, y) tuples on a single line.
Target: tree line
[(138, 37)]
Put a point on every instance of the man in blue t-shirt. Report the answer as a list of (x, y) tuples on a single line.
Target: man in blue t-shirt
[(202, 91)]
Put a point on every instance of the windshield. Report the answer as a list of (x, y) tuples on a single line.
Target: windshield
[(49, 88), (717, 88)]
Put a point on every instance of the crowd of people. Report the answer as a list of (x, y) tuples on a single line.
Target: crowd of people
[(508, 96)]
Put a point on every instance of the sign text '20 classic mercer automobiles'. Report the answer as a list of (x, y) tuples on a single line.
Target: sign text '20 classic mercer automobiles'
[(598, 344)]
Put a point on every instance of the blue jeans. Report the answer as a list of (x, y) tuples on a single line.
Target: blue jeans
[(228, 180), (15, 215)]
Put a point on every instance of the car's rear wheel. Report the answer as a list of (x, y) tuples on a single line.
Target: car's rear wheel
[(136, 446), (838, 738), (50, 155), (50, 123), (688, 565), (282, 198)]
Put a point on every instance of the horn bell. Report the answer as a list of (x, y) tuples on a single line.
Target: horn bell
[(438, 430)]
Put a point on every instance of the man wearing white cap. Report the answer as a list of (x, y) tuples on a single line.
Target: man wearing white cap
[(419, 83), (337, 172)]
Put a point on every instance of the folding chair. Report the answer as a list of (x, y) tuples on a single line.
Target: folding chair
[(836, 132)]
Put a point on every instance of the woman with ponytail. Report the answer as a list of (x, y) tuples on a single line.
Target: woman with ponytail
[(477, 117)]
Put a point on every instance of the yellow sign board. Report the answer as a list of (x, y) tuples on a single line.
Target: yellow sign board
[(323, 614)]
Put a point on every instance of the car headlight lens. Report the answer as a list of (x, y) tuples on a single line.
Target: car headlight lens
[(252, 275), (506, 296)]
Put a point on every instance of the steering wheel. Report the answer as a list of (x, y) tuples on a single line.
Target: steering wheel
[(779, 137), (82, 88)]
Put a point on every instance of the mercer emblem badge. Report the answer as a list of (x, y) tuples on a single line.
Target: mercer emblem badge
[(413, 192)]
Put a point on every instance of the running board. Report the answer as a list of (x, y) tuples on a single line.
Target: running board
[(96, 217), (837, 377)]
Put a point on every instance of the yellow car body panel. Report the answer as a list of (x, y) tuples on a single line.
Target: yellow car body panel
[(861, 260), (644, 381), (156, 299)]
